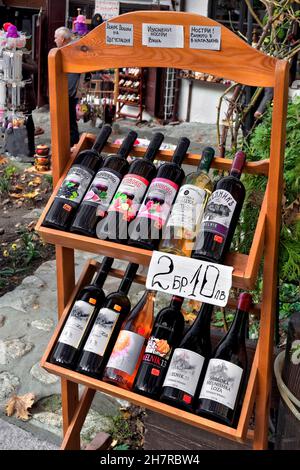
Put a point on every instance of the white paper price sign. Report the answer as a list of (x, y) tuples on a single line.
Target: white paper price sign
[(119, 34), (191, 278), (205, 37), (162, 35)]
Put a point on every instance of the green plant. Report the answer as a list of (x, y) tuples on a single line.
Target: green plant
[(120, 429), (5, 178)]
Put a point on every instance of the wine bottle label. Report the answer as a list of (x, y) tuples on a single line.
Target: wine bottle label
[(188, 208), (129, 195), (101, 332), (184, 371), (126, 352), (221, 382), (157, 353), (75, 184), (102, 190), (158, 200), (76, 323), (218, 213)]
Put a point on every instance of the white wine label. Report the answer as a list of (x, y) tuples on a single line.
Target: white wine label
[(158, 200), (188, 208), (126, 351), (102, 190), (157, 346), (190, 278), (101, 332), (129, 195), (218, 213), (76, 323), (119, 34), (205, 37), (184, 371), (221, 383), (75, 184), (162, 35)]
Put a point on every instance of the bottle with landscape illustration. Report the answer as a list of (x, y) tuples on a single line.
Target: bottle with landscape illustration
[(129, 195), (74, 186), (80, 318), (106, 327)]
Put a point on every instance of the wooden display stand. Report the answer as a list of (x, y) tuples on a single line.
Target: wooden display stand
[(138, 91), (236, 61)]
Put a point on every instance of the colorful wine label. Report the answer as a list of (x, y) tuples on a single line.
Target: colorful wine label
[(126, 352), (188, 208), (157, 353), (101, 332), (218, 213), (221, 382), (75, 184), (76, 323), (158, 200), (129, 195), (102, 190), (184, 371)]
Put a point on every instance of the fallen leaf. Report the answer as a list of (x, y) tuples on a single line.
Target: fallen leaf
[(20, 405), (18, 187), (3, 160), (30, 195), (35, 182)]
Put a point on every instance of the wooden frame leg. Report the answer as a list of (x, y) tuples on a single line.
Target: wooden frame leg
[(72, 433)]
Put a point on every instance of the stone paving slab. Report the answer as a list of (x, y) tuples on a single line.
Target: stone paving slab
[(12, 437)]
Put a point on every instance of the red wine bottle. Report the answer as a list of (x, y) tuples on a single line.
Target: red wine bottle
[(106, 327), (188, 362), (129, 348), (75, 184), (146, 230), (166, 333), (129, 195), (221, 215), (102, 189), (82, 313), (225, 379)]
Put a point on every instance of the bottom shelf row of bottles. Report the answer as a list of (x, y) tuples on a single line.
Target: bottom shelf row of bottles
[(103, 337)]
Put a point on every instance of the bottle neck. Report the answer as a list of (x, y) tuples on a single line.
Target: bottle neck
[(176, 302), (206, 160), (180, 151), (127, 145), (103, 273), (238, 164), (153, 146), (128, 278), (238, 328), (202, 321)]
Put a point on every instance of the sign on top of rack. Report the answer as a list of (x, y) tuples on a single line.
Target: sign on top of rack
[(191, 278), (119, 34), (163, 35), (205, 37)]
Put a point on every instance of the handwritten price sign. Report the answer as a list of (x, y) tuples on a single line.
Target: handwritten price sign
[(191, 278)]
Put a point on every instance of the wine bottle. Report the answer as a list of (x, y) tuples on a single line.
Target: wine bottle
[(129, 195), (106, 327), (221, 215), (188, 362), (183, 223), (166, 333), (102, 189), (225, 379), (145, 231), (75, 184), (129, 348), (82, 313)]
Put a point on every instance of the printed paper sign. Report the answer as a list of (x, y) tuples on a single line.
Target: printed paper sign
[(119, 34), (162, 35), (205, 37), (190, 278), (107, 8)]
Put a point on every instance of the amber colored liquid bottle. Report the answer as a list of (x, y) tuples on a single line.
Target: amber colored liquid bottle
[(224, 384), (128, 351)]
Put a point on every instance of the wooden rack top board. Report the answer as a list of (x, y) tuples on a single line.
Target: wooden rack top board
[(235, 61)]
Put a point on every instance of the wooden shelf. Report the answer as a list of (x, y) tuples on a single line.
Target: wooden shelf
[(237, 434)]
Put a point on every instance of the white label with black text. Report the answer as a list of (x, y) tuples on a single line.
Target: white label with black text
[(221, 383), (101, 332), (163, 35), (76, 323), (218, 213), (184, 371), (190, 278), (119, 34), (205, 37), (188, 208)]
